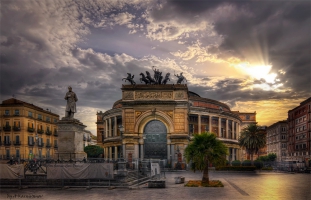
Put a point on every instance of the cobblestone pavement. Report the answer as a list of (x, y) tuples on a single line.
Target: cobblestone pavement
[(236, 186)]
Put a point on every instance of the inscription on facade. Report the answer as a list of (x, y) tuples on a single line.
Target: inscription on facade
[(153, 95)]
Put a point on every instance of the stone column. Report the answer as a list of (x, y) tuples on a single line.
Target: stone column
[(219, 126), (115, 152), (232, 129), (199, 124), (210, 124), (115, 126), (168, 152), (142, 151), (237, 129), (106, 128), (227, 128), (173, 154), (110, 153), (136, 151), (233, 153), (109, 127)]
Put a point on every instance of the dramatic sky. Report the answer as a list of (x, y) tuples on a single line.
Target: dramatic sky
[(251, 55)]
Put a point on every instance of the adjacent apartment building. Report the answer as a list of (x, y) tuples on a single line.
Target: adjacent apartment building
[(27, 131), (299, 133), (277, 140)]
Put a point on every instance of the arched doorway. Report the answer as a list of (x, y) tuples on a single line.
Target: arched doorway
[(155, 140)]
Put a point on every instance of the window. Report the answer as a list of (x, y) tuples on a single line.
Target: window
[(283, 137), (48, 119), (283, 129), (17, 153), (7, 140), (39, 116), (17, 139), (191, 127), (6, 112), (29, 114), (30, 140), (7, 153), (7, 123), (17, 124), (247, 117), (16, 112), (55, 120)]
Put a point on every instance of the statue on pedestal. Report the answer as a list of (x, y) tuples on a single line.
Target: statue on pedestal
[(71, 98)]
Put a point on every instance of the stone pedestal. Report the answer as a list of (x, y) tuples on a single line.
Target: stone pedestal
[(122, 168), (70, 139)]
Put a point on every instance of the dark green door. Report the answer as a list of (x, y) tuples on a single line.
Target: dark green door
[(155, 143)]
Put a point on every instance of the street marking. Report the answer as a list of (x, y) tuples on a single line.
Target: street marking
[(237, 188)]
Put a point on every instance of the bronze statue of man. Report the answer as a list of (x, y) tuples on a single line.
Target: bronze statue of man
[(71, 98)]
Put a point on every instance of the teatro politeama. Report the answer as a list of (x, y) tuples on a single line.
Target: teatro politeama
[(157, 121)]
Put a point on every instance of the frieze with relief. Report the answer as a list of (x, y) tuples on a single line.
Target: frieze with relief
[(153, 95), (180, 95), (128, 95)]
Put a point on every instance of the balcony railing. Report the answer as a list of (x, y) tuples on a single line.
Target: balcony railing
[(41, 145), (16, 114), (7, 143), (48, 145), (48, 132), (40, 131), (17, 143), (84, 138), (29, 129), (31, 144), (55, 146), (7, 128), (16, 128), (89, 139), (55, 133)]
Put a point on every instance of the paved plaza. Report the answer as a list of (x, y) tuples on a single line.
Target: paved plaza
[(236, 186)]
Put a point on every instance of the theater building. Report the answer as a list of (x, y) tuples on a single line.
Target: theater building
[(158, 121)]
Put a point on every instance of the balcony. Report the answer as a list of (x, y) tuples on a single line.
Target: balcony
[(84, 138), (41, 145), (6, 115), (55, 133), (55, 146), (48, 132), (17, 143), (31, 144), (16, 114), (7, 128), (16, 128), (31, 130), (89, 139), (40, 118), (40, 131), (7, 143), (48, 145)]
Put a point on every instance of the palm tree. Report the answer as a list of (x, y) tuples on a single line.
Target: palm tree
[(205, 149), (252, 139)]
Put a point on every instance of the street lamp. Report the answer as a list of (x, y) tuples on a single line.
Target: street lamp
[(121, 129)]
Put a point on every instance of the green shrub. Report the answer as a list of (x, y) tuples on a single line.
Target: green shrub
[(93, 151), (236, 163), (246, 163), (236, 168), (267, 168), (258, 164)]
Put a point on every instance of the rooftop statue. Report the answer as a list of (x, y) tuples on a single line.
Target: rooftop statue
[(181, 78), (149, 77), (71, 98), (166, 78), (130, 78), (143, 78)]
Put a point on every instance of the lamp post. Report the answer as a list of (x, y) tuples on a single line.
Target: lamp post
[(121, 128)]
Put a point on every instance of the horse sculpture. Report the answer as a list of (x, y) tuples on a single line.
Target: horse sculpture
[(166, 78), (130, 79), (149, 77), (181, 78), (143, 78)]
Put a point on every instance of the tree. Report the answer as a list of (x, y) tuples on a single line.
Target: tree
[(204, 149), (93, 151), (252, 139)]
